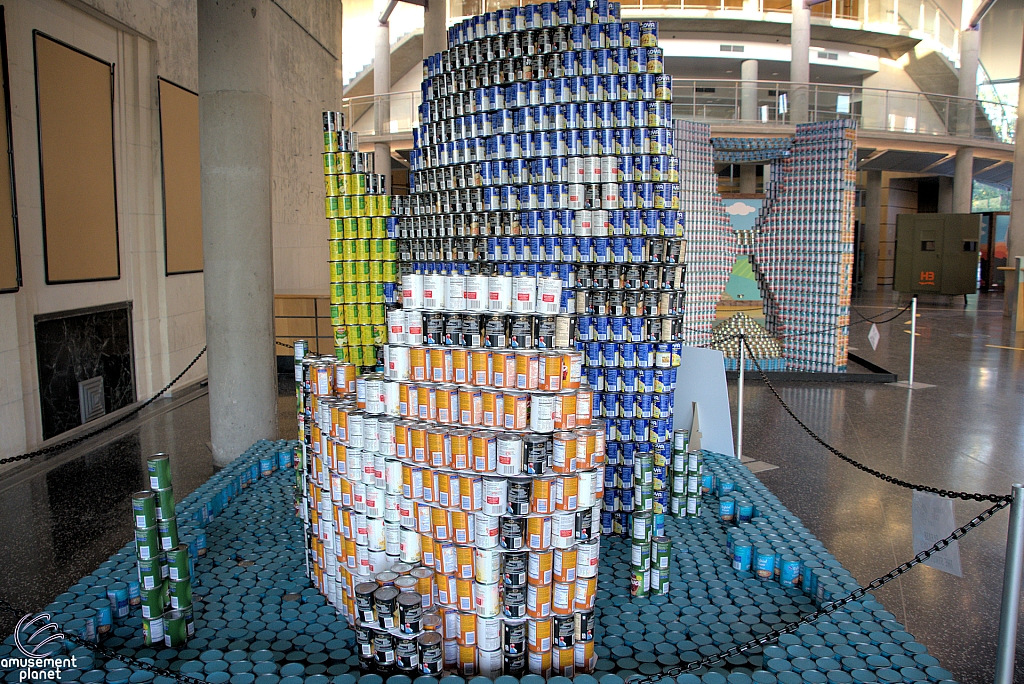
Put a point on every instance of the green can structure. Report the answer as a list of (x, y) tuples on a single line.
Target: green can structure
[(164, 561)]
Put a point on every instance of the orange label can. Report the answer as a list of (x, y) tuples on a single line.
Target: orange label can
[(480, 360), (562, 596), (461, 366), (551, 371), (538, 601), (517, 405), (538, 533), (527, 370), (418, 364), (563, 452), (471, 406), (485, 452), (584, 406), (503, 364), (438, 448), (447, 399), (462, 529), (492, 403), (586, 591), (402, 450), (471, 487), (460, 449), (540, 496), (564, 414), (463, 559), (440, 364), (567, 490), (539, 570), (447, 490)]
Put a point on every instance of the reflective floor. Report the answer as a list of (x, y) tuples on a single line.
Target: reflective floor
[(60, 518)]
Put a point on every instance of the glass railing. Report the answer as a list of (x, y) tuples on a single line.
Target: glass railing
[(831, 9), (719, 102)]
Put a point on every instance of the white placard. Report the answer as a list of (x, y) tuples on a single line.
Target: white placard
[(933, 520)]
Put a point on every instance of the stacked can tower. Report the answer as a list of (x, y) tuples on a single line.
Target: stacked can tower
[(818, 181), (545, 181), (473, 478), (164, 562), (362, 245)]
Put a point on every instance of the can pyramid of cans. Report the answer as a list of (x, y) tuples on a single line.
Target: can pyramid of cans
[(711, 241), (164, 562), (804, 250), (362, 245)]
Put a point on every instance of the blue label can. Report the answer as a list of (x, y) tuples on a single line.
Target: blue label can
[(612, 380), (618, 329), (742, 552), (744, 511), (610, 405), (764, 563), (641, 429), (594, 354), (606, 514), (585, 249), (628, 453), (626, 480), (602, 250), (586, 62), (602, 328), (613, 451), (661, 431), (727, 512), (629, 380), (578, 36), (638, 333), (647, 83), (603, 62), (595, 378), (619, 254), (627, 405), (613, 34), (627, 355), (609, 354), (624, 429), (663, 404), (644, 406), (611, 478), (585, 329), (725, 487), (567, 248), (645, 380)]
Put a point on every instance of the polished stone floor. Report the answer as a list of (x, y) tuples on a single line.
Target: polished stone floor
[(60, 518)]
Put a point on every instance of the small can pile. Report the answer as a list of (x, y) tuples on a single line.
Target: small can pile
[(164, 563), (687, 471), (362, 244)]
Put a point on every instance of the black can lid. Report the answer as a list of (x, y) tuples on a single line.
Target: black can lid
[(386, 594), (410, 599)]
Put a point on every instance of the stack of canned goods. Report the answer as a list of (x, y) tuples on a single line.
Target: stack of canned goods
[(362, 244), (164, 563), (317, 378), (759, 344), (711, 240), (482, 495), (817, 181), (687, 470)]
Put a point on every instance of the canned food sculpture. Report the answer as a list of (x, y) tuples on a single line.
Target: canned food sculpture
[(362, 244), (545, 216), (165, 557)]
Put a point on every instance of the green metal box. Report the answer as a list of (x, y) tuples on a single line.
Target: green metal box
[(937, 253)]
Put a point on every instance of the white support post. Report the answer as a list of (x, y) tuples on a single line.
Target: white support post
[(739, 398), (1010, 611), (913, 338)]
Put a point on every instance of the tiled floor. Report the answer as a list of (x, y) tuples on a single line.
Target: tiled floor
[(61, 518)]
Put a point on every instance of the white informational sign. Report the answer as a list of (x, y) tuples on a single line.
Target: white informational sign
[(933, 520), (874, 336), (700, 378)]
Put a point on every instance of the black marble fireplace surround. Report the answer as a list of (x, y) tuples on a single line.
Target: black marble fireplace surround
[(77, 345)]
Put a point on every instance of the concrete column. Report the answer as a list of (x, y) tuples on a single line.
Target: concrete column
[(872, 230), (748, 90), (435, 27), (1015, 235), (382, 101), (963, 180), (800, 62), (970, 46), (748, 179), (945, 195), (235, 148)]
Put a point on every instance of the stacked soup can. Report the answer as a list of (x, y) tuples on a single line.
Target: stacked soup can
[(475, 482), (545, 215), (164, 563), (362, 244)]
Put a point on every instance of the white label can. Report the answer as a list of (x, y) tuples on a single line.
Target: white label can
[(487, 529), (375, 504), (499, 293), (475, 292), (587, 558), (414, 327), (434, 287), (488, 633), (455, 297), (524, 294), (392, 538), (542, 418), (510, 454), (487, 565), (412, 291), (409, 549), (563, 530), (375, 534), (549, 295), (494, 501), (587, 488), (396, 326), (396, 362)]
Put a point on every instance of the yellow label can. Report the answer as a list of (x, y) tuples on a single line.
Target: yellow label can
[(355, 355), (341, 353), (390, 249), (350, 250), (358, 205), (359, 183), (352, 293), (362, 270), (379, 227), (337, 228), (377, 314), (337, 317), (331, 208), (385, 205), (351, 271), (376, 292), (337, 293), (363, 292), (336, 271), (349, 229), (331, 186), (340, 336), (330, 141), (377, 271), (380, 334), (365, 227), (365, 318), (376, 250), (390, 272), (345, 206), (345, 162), (351, 314), (369, 355), (330, 163)]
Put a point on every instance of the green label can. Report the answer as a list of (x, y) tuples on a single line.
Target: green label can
[(693, 506), (164, 503), (178, 562), (153, 601), (159, 466), (642, 527), (150, 574), (640, 555), (144, 508), (175, 631), (153, 630), (661, 552), (643, 472), (639, 581), (147, 543), (168, 528), (643, 498), (659, 581), (181, 593)]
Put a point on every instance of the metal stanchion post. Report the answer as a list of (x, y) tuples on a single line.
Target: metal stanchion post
[(739, 398), (913, 338), (1008, 614)]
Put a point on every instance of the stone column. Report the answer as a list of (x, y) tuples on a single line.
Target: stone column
[(800, 63), (382, 101), (963, 180), (748, 90), (872, 230), (435, 27), (235, 149), (1015, 235)]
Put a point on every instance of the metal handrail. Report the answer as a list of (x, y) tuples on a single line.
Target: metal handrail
[(718, 101)]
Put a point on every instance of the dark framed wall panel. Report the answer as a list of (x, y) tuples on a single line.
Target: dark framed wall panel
[(75, 108), (10, 255), (183, 209)]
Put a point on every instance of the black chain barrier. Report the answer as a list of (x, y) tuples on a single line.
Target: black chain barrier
[(670, 673), (945, 493), (869, 319), (64, 446)]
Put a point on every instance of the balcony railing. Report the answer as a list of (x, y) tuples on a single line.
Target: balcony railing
[(719, 102)]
